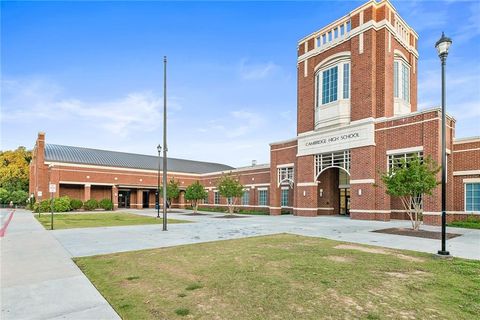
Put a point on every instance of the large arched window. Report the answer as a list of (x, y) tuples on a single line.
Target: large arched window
[(332, 91), (401, 84), (333, 82)]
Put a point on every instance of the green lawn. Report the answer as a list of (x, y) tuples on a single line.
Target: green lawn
[(101, 219), (469, 224), (285, 277)]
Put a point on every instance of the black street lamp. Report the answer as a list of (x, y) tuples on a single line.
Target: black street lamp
[(442, 46), (157, 194)]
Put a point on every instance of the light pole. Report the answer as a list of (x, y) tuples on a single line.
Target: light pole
[(442, 46), (157, 198), (165, 149), (50, 166)]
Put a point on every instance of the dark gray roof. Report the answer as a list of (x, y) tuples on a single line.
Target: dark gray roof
[(54, 152)]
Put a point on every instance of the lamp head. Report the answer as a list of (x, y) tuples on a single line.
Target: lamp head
[(159, 148), (442, 45)]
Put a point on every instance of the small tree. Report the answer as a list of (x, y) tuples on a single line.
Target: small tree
[(194, 193), (172, 190), (230, 188), (410, 180)]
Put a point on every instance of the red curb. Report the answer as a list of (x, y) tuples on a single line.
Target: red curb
[(4, 228)]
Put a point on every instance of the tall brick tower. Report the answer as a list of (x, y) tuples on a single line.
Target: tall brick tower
[(356, 113)]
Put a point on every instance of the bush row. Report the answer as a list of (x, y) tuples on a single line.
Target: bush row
[(18, 197), (65, 204)]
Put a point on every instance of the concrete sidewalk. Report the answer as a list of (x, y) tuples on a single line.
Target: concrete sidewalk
[(93, 241), (40, 281)]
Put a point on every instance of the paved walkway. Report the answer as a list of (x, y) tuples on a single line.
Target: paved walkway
[(93, 241), (40, 281)]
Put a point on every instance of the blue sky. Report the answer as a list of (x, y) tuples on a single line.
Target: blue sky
[(91, 73)]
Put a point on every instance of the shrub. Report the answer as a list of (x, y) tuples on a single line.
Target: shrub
[(91, 204), (4, 196), (106, 204), (42, 206), (76, 204), (61, 204), (19, 197)]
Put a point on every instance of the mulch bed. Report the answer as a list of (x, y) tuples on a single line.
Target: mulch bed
[(196, 214), (230, 216), (419, 234)]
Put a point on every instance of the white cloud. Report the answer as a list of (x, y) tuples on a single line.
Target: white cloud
[(256, 71), (40, 98)]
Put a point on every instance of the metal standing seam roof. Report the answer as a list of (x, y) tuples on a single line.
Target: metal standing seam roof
[(80, 155)]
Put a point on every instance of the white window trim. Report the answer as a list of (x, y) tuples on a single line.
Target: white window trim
[(465, 196), (328, 64)]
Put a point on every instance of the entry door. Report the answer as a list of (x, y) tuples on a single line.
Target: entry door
[(146, 198), (124, 199), (345, 201)]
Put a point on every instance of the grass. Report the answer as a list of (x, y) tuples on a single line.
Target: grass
[(470, 223), (285, 277), (88, 220)]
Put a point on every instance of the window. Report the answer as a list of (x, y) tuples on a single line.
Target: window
[(246, 198), (401, 80), (394, 159), (330, 36), (335, 33), (285, 174), (346, 81), (324, 39), (342, 30), (216, 198), (395, 79), (262, 197), (472, 197), (334, 159), (318, 41), (348, 26), (284, 198), (206, 198), (329, 85), (405, 83)]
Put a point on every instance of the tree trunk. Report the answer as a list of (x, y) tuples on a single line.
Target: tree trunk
[(195, 206)]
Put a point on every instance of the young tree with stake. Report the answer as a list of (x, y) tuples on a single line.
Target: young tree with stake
[(410, 180), (194, 193), (230, 188)]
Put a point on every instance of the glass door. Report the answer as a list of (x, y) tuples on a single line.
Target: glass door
[(124, 199), (345, 201)]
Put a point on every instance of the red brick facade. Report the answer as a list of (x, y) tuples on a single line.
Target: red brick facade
[(342, 146)]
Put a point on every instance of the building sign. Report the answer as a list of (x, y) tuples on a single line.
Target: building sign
[(39, 193), (52, 188), (322, 141)]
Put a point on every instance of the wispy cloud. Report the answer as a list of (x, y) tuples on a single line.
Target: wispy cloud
[(43, 99), (256, 71)]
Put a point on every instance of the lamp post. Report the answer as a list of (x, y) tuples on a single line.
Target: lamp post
[(157, 196), (442, 46), (165, 149), (52, 191)]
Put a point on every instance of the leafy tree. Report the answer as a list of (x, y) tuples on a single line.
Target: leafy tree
[(5, 196), (410, 180), (172, 190), (14, 169), (230, 188), (194, 193)]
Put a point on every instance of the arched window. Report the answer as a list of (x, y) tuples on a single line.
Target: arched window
[(332, 91), (332, 80), (401, 83)]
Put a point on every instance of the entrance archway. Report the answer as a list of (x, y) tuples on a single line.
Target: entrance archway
[(332, 172)]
